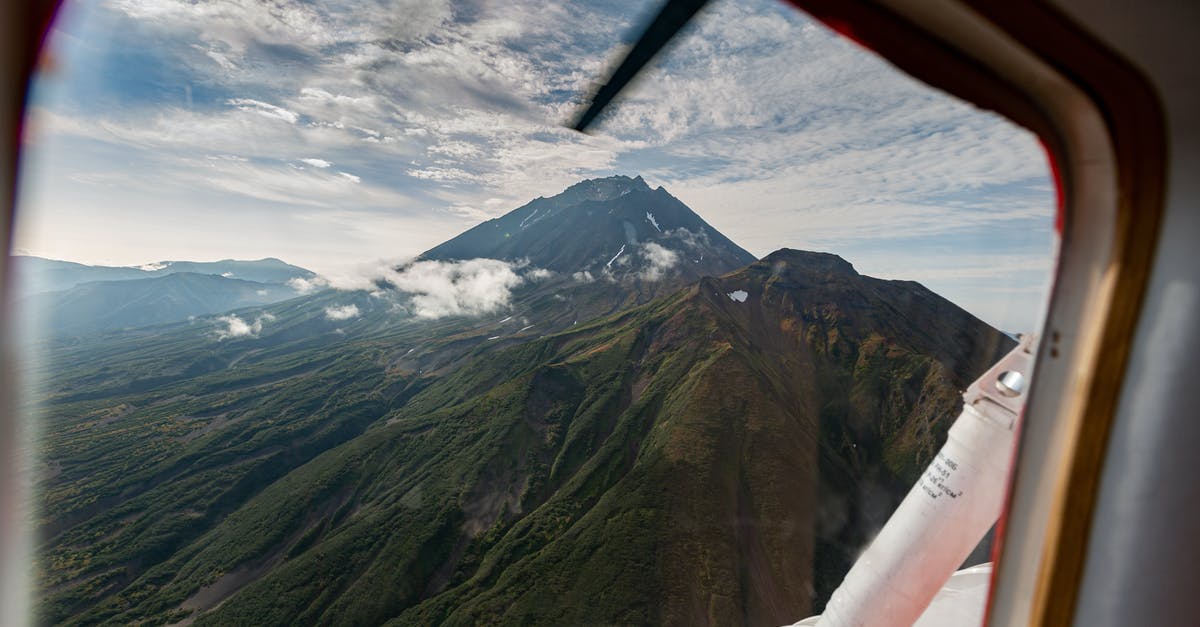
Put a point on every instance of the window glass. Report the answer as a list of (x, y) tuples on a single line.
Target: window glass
[(336, 320)]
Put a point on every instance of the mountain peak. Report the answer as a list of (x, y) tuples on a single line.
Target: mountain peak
[(606, 188), (788, 260), (614, 228)]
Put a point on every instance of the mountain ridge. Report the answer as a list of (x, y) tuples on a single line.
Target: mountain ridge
[(709, 450), (40, 274), (598, 473), (110, 305)]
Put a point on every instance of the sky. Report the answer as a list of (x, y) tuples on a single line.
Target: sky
[(336, 134)]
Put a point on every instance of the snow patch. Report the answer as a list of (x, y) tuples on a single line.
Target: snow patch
[(227, 274), (526, 220), (525, 328), (494, 337), (505, 320), (650, 217), (738, 295), (619, 253), (154, 267)]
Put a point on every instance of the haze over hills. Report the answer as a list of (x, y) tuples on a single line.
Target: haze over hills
[(37, 274), (67, 298), (696, 447), (106, 305)]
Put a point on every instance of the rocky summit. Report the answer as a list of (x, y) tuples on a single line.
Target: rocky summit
[(616, 227)]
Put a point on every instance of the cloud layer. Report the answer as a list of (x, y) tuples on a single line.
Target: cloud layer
[(331, 132), (471, 288)]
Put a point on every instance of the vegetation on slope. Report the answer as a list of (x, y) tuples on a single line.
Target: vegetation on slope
[(698, 460)]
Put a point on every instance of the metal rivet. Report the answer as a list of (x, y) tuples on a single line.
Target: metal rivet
[(1011, 383)]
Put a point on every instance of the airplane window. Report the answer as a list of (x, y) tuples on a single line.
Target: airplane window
[(328, 316)]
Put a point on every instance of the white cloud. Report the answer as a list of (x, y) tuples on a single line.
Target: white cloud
[(583, 276), (344, 312), (221, 60), (659, 259), (264, 109), (236, 327), (463, 288), (444, 174), (435, 289), (539, 274), (776, 131), (721, 110), (237, 27), (307, 286)]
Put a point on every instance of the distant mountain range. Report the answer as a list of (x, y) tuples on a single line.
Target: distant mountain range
[(69, 298), (667, 440), (37, 274), (106, 305)]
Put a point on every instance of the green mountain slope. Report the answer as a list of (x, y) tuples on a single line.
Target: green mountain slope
[(717, 456)]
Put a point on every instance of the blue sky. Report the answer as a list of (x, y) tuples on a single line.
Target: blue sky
[(336, 134)]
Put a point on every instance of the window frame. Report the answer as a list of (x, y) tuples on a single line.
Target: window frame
[(1103, 128)]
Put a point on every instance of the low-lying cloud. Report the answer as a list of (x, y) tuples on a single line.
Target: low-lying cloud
[(435, 289), (659, 258), (539, 274), (456, 288), (307, 286), (345, 312), (236, 327)]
